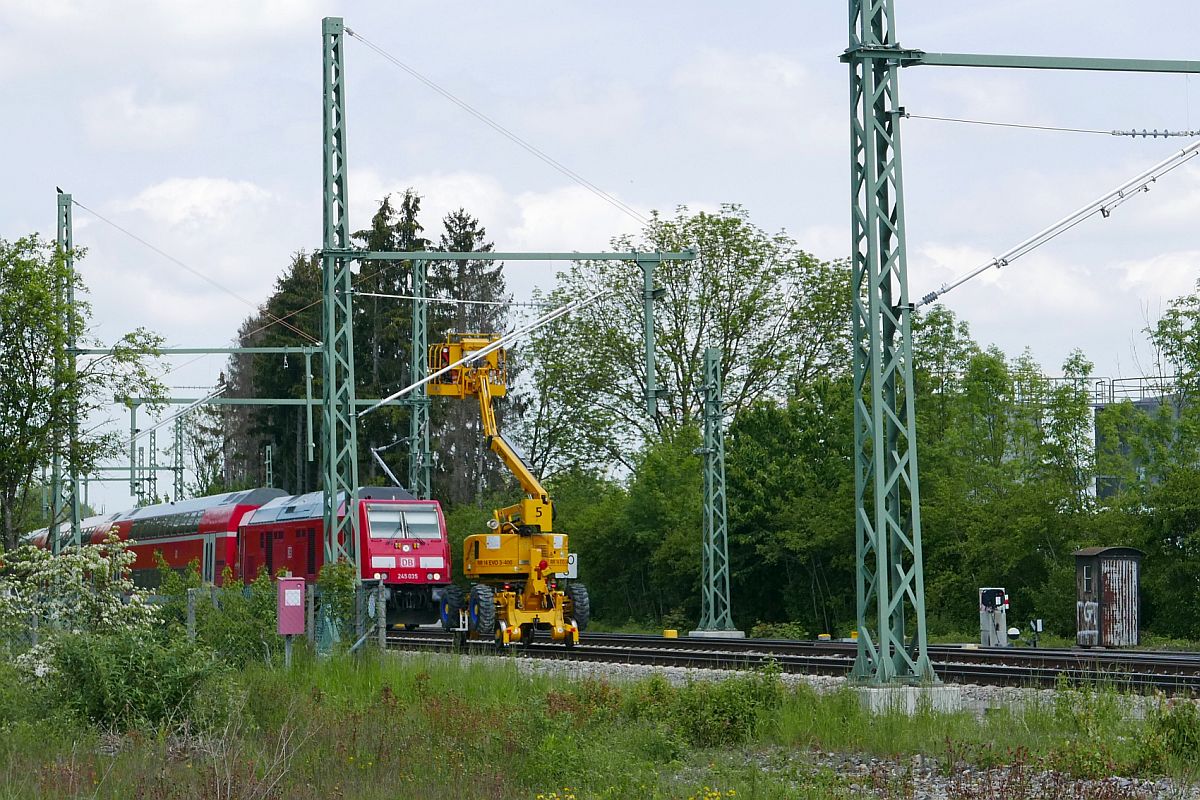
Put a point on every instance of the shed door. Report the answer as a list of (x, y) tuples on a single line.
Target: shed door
[(1119, 582)]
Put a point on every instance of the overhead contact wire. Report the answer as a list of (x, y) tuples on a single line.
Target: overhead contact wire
[(195, 272), (1144, 133), (505, 132)]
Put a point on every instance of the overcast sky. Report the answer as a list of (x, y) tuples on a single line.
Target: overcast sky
[(196, 125)]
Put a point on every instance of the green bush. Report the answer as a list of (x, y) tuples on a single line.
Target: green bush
[(709, 713), (337, 586), (173, 585), (125, 679), (1171, 736), (21, 698), (242, 629), (778, 630)]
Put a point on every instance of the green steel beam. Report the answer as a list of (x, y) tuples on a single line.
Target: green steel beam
[(191, 351), (1056, 62), (911, 58), (308, 401), (420, 459), (339, 454), (246, 401), (714, 598), (650, 293), (889, 572), (916, 58), (178, 467), (125, 470), (150, 471), (434, 255), (133, 487)]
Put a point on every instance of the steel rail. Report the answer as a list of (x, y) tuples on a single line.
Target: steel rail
[(1127, 670)]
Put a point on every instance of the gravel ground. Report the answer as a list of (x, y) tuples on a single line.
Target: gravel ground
[(922, 778)]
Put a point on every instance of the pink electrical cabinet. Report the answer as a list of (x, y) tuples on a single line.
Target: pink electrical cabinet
[(290, 600)]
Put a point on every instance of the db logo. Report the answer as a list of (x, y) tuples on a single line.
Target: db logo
[(408, 562)]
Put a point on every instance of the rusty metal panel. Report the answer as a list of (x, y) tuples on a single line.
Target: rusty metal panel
[(1119, 602)]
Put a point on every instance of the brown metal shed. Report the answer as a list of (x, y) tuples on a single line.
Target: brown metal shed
[(1108, 596)]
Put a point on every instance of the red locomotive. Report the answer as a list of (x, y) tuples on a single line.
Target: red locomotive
[(402, 541)]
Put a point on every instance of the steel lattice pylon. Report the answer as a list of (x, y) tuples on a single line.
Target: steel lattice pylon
[(420, 464), (339, 455), (64, 489), (714, 598), (889, 572)]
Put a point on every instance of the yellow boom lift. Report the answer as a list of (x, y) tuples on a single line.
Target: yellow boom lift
[(516, 592)]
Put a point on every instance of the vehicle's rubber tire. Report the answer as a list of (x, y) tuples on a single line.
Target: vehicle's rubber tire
[(452, 602), (481, 611), (578, 595)]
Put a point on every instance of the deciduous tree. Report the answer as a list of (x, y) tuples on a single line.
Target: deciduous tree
[(39, 387)]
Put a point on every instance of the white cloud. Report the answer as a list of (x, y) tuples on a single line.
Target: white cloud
[(827, 242), (564, 218), (121, 120), (196, 202), (1038, 282), (1162, 277), (757, 100)]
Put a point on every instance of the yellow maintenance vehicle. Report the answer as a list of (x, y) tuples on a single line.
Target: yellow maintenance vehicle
[(517, 564)]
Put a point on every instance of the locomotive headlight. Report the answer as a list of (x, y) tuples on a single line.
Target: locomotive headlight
[(378, 575), (437, 576), (406, 548)]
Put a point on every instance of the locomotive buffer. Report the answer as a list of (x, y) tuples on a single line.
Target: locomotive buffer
[(515, 565)]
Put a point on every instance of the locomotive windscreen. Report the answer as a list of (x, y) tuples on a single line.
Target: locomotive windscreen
[(403, 522)]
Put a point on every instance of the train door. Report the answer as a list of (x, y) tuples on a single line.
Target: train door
[(208, 561), (312, 552), (269, 552)]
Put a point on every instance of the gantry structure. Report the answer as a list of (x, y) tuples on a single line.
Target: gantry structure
[(339, 467), (889, 573)]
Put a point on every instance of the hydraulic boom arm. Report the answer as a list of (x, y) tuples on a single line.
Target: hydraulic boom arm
[(471, 367), (536, 510)]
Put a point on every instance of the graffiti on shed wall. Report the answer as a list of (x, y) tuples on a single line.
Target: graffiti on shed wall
[(1087, 618)]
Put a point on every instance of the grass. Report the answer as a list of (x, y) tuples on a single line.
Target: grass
[(444, 728)]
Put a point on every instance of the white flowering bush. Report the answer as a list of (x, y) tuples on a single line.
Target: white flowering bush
[(81, 590)]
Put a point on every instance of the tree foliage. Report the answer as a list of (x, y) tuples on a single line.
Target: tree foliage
[(39, 387), (777, 313), (464, 469)]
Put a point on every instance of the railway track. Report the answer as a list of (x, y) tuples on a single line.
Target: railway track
[(1174, 673)]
